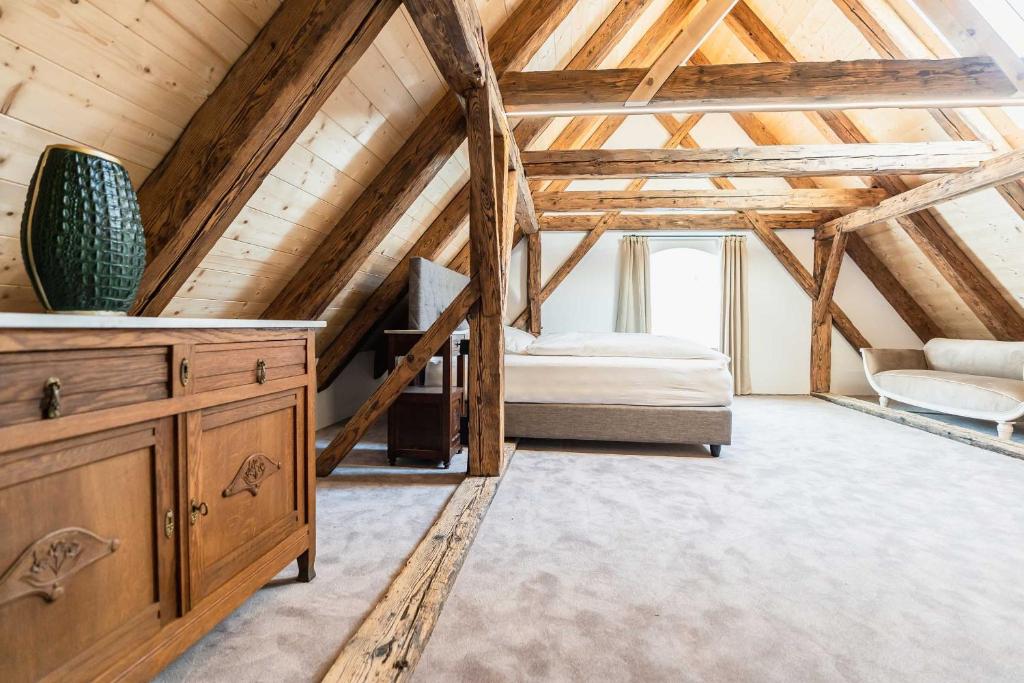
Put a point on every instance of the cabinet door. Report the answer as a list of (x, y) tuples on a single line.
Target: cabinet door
[(86, 568), (245, 473)]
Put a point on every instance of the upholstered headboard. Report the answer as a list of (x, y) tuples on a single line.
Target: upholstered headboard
[(431, 288)]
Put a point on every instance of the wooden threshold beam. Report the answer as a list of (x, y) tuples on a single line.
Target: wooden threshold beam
[(388, 644), (998, 171), (769, 161), (861, 84), (242, 131), (722, 200)]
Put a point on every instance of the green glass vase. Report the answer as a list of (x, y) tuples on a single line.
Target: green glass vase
[(81, 233)]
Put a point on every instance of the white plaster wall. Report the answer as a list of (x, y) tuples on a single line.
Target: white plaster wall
[(780, 312)]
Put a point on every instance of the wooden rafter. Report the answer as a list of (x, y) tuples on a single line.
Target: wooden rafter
[(812, 86), (533, 283), (725, 200), (243, 130), (708, 15), (444, 227), (1003, 169), (404, 177), (926, 229), (758, 162)]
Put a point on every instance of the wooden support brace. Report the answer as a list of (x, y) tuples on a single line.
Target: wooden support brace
[(405, 372)]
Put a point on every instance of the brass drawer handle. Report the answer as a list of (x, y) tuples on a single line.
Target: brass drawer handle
[(198, 508), (261, 371), (185, 372), (51, 398)]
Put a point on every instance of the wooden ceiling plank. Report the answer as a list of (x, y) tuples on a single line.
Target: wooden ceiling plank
[(723, 200), (763, 161), (402, 180), (803, 86), (926, 229), (241, 132), (698, 27)]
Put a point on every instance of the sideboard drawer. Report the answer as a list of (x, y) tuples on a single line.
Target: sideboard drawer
[(219, 366), (245, 474), (86, 569), (46, 384)]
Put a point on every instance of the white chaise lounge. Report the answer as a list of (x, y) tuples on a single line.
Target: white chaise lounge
[(970, 378)]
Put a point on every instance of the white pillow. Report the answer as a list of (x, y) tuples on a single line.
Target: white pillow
[(622, 345), (516, 340)]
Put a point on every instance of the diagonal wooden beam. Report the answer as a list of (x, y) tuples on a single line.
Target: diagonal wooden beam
[(242, 130), (592, 237), (390, 194), (1003, 169), (926, 228), (699, 26), (433, 242), (950, 120), (804, 86), (452, 32), (405, 371), (533, 283)]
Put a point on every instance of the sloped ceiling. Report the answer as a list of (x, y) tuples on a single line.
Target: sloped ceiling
[(125, 76)]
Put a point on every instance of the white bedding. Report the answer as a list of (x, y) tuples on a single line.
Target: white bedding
[(617, 380), (619, 345)]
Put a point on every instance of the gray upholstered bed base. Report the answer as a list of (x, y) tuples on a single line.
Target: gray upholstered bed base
[(646, 424)]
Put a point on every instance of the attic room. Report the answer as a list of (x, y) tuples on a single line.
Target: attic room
[(504, 340)]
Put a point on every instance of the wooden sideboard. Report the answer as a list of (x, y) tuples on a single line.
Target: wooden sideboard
[(153, 475)]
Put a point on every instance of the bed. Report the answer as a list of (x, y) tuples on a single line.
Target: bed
[(617, 387), (598, 387)]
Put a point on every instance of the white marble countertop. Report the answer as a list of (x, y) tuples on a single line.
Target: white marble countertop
[(12, 321)]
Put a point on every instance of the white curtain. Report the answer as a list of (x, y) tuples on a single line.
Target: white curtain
[(633, 313), (734, 310)]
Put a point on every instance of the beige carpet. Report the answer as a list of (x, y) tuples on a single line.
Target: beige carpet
[(369, 519), (825, 545)]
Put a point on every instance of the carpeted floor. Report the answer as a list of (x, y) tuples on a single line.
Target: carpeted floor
[(825, 545), (369, 519)]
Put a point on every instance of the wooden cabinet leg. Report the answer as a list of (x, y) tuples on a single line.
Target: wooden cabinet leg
[(306, 571)]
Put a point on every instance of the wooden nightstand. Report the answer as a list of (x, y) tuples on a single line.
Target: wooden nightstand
[(424, 423)]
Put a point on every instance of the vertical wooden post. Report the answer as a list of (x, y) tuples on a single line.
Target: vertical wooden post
[(486, 342), (828, 257), (821, 334), (533, 285)]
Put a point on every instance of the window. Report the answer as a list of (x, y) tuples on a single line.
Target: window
[(686, 294)]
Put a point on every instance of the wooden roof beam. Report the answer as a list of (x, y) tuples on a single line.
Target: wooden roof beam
[(677, 222), (242, 131), (1003, 169), (708, 15), (404, 177), (721, 200), (984, 298), (861, 84), (766, 161)]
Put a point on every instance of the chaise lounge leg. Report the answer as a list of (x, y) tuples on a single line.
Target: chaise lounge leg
[(716, 450), (1005, 430), (883, 401)]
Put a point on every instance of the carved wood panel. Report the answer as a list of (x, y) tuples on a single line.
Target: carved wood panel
[(46, 566)]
